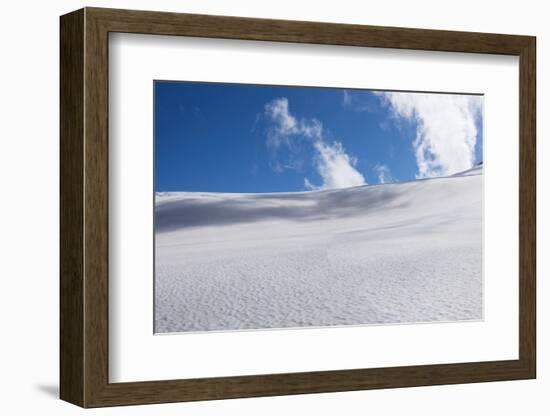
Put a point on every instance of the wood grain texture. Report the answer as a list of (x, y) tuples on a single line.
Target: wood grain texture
[(71, 213), (162, 23), (96, 208), (84, 207), (527, 208)]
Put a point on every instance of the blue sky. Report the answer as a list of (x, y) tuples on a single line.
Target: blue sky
[(213, 137)]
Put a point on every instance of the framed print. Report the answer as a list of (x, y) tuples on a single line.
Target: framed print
[(260, 207)]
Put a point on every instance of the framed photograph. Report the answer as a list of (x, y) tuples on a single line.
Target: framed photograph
[(255, 207)]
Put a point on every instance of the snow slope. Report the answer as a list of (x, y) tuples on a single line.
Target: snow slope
[(378, 254)]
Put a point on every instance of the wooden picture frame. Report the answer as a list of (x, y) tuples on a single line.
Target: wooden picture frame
[(84, 207)]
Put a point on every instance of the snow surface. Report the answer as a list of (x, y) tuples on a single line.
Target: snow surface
[(393, 253)]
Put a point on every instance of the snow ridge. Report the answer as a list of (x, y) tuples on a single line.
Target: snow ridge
[(392, 253)]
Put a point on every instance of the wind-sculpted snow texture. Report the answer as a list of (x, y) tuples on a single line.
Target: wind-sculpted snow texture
[(393, 253)]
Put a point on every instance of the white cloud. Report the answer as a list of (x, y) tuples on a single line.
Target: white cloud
[(334, 165), (446, 132), (346, 98), (350, 101), (285, 125), (309, 186), (384, 173)]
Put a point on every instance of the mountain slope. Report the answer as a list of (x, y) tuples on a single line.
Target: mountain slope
[(403, 252)]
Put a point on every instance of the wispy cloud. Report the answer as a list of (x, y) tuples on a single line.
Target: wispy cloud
[(336, 167), (285, 125), (351, 102), (333, 164), (383, 172), (446, 131)]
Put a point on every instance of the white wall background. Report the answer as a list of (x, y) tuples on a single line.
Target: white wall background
[(29, 159)]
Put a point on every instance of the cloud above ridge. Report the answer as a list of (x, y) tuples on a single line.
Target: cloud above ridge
[(333, 164), (336, 167), (383, 172), (446, 132)]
